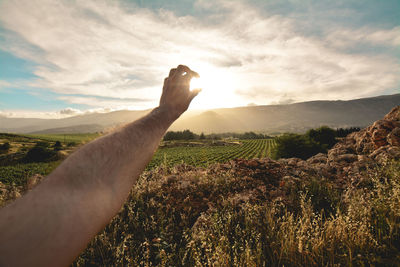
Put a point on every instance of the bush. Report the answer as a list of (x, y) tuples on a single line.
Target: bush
[(304, 146), (296, 145), (324, 136), (5, 147), (179, 135), (343, 132), (57, 146), (40, 153)]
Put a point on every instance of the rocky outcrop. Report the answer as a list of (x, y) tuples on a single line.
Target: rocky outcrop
[(344, 164)]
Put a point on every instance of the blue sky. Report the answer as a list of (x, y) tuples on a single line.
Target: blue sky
[(64, 58)]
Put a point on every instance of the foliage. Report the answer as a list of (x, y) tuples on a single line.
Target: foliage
[(66, 138), (202, 136), (57, 146), (324, 136), (18, 173), (4, 147), (305, 145), (177, 217), (40, 153), (343, 132), (296, 145), (179, 135), (246, 135)]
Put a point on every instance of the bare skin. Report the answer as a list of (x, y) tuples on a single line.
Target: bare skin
[(54, 222)]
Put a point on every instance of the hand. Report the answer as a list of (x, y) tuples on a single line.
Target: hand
[(176, 95)]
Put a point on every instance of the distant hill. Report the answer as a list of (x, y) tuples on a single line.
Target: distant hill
[(104, 120), (85, 128), (296, 117)]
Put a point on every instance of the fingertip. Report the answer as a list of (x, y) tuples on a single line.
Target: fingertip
[(171, 72)]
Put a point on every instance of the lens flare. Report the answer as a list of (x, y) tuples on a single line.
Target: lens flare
[(196, 83)]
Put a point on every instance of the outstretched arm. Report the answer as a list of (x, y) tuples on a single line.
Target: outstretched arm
[(54, 222)]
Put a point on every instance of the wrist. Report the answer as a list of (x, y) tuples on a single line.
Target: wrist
[(168, 115)]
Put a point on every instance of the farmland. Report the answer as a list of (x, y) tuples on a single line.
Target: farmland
[(206, 153), (66, 138), (170, 153)]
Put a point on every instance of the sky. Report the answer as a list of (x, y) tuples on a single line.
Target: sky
[(66, 58)]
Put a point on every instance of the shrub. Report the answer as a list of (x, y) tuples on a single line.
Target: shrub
[(296, 145), (304, 146), (179, 135), (5, 147), (324, 136), (40, 153), (57, 146), (343, 132)]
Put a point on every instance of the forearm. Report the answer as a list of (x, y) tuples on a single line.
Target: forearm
[(116, 160), (80, 197)]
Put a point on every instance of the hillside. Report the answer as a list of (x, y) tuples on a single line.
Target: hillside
[(334, 209), (296, 117)]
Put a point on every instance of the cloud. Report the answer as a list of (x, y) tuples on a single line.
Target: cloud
[(344, 38), (105, 49), (27, 113), (70, 111), (64, 113), (106, 102), (4, 84)]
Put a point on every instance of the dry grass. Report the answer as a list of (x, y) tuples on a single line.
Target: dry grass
[(197, 217)]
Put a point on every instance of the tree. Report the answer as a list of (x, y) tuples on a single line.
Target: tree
[(324, 136), (296, 145), (179, 135), (57, 146), (202, 136)]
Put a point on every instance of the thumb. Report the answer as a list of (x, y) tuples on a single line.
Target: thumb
[(194, 93)]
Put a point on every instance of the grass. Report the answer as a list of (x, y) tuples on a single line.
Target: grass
[(197, 217), (66, 138), (19, 173)]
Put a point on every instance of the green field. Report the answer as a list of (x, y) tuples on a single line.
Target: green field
[(208, 154), (66, 138), (205, 153)]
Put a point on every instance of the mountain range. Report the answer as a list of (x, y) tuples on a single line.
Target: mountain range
[(297, 117)]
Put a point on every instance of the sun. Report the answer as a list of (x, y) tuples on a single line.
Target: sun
[(218, 88)]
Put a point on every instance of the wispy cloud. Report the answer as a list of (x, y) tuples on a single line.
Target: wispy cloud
[(64, 113), (118, 50)]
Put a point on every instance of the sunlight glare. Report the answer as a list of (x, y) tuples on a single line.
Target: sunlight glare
[(196, 83), (218, 88)]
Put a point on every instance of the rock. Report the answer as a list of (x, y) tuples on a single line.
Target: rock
[(33, 181), (319, 158), (349, 158), (394, 152), (394, 137), (379, 131), (14, 194), (62, 154), (393, 115)]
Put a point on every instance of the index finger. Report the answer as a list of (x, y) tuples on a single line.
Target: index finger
[(182, 69)]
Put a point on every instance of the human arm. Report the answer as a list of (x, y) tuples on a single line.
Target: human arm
[(54, 222)]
